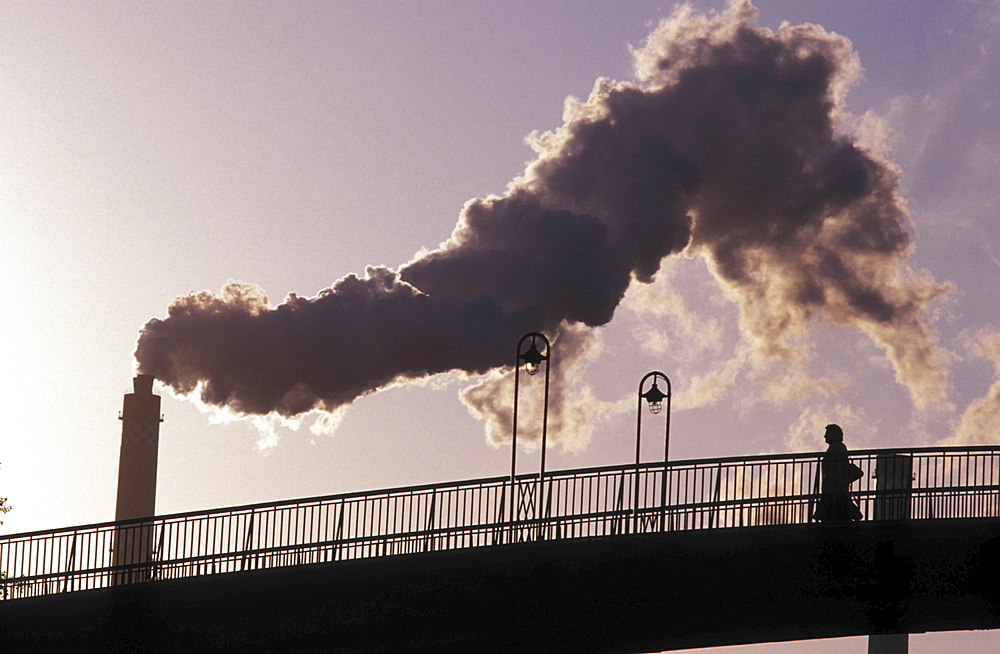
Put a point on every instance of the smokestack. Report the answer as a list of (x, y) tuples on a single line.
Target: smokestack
[(141, 419), (133, 547)]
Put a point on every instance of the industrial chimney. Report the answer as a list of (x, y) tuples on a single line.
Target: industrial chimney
[(141, 420)]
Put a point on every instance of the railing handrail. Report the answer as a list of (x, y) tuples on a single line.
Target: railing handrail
[(484, 481)]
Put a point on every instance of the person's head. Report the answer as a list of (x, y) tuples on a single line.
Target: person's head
[(834, 434)]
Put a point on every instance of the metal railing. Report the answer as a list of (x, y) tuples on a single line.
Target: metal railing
[(596, 502)]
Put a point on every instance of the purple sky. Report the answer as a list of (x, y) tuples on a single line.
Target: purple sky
[(150, 151)]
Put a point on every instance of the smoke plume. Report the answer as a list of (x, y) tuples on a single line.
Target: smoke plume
[(573, 409), (726, 145), (980, 420)]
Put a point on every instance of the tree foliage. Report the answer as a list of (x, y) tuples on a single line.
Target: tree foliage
[(4, 508)]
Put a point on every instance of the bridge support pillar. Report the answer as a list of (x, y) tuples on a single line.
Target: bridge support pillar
[(888, 644), (893, 484)]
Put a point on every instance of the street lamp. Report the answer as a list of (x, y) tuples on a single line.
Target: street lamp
[(532, 358), (654, 397)]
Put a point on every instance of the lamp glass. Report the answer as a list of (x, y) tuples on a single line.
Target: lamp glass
[(532, 359)]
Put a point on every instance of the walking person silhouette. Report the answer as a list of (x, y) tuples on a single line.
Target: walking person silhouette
[(835, 503)]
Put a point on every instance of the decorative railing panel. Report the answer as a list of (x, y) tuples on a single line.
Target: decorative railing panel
[(914, 484)]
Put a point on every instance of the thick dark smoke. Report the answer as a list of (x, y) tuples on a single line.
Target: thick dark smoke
[(727, 145), (321, 352)]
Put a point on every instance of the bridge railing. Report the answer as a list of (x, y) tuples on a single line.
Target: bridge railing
[(920, 483)]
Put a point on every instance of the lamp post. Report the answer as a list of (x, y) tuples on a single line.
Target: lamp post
[(654, 397), (532, 358)]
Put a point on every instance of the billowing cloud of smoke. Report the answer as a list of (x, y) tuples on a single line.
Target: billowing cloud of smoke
[(574, 410), (981, 419), (323, 352), (726, 145), (806, 433)]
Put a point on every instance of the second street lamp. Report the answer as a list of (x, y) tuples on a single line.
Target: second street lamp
[(532, 358), (655, 398)]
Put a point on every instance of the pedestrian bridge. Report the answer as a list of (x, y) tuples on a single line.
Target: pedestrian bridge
[(619, 559)]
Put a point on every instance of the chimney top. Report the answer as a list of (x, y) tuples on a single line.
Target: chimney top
[(143, 384)]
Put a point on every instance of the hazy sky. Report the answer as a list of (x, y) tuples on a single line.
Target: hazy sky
[(151, 150)]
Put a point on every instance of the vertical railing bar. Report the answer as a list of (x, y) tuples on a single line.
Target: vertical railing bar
[(366, 528), (200, 531), (248, 542), (280, 530), (371, 527), (302, 548), (716, 499), (273, 525), (708, 488), (385, 511), (291, 536), (455, 522), (429, 525), (267, 523), (298, 536), (381, 512), (315, 513), (339, 534), (311, 533), (452, 519), (325, 536), (191, 539), (360, 530)]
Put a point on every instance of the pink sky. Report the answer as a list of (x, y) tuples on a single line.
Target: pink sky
[(152, 150)]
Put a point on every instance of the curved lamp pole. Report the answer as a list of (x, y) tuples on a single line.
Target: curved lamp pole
[(532, 358), (654, 397)]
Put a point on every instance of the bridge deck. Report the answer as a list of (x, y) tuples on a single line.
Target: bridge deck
[(611, 501), (629, 593)]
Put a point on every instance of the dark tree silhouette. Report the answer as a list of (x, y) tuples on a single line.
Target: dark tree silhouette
[(4, 508)]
